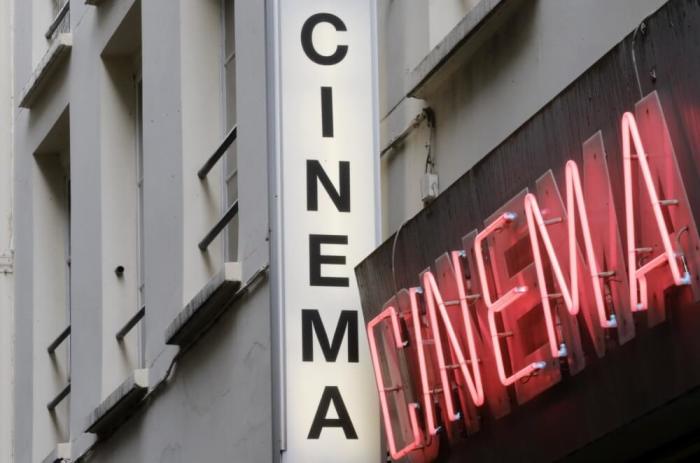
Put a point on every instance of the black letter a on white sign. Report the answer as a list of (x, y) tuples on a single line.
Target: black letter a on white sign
[(332, 394)]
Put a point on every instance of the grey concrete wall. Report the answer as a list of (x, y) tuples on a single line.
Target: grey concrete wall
[(543, 47)]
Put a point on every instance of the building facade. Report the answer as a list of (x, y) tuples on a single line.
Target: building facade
[(98, 85), (146, 264)]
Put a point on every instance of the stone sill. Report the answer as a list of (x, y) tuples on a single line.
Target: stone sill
[(458, 45), (55, 55), (119, 405), (204, 308)]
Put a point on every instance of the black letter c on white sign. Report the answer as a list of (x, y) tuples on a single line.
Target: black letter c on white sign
[(307, 43)]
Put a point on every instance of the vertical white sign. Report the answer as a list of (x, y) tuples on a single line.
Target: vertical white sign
[(327, 170)]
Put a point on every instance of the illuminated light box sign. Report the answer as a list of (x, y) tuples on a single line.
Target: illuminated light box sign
[(546, 280), (325, 204)]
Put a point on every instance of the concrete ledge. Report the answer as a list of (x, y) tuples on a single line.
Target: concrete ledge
[(94, 2), (463, 39), (59, 454), (206, 306), (119, 404), (55, 55)]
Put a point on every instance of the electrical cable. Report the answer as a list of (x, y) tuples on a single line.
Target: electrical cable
[(641, 27)]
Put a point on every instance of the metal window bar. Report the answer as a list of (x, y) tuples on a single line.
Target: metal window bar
[(57, 342), (223, 221), (230, 137), (51, 406), (230, 58), (61, 23), (137, 317)]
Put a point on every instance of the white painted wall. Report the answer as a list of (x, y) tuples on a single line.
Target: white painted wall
[(42, 15), (443, 15)]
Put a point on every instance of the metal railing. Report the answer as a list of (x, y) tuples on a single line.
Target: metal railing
[(61, 23), (232, 210), (223, 221), (57, 342), (230, 137), (51, 406), (138, 316)]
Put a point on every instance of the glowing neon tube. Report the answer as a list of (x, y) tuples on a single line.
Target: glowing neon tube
[(630, 132)]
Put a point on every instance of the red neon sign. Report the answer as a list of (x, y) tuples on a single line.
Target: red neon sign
[(573, 257)]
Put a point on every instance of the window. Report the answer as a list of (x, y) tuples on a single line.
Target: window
[(141, 270), (226, 147), (230, 161), (123, 292), (51, 293)]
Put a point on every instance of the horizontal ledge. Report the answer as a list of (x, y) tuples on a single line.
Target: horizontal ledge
[(131, 323), (206, 306), (94, 2), (59, 49), (51, 406), (457, 39), (119, 404), (59, 339)]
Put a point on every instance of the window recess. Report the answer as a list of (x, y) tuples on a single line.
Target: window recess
[(228, 149)]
